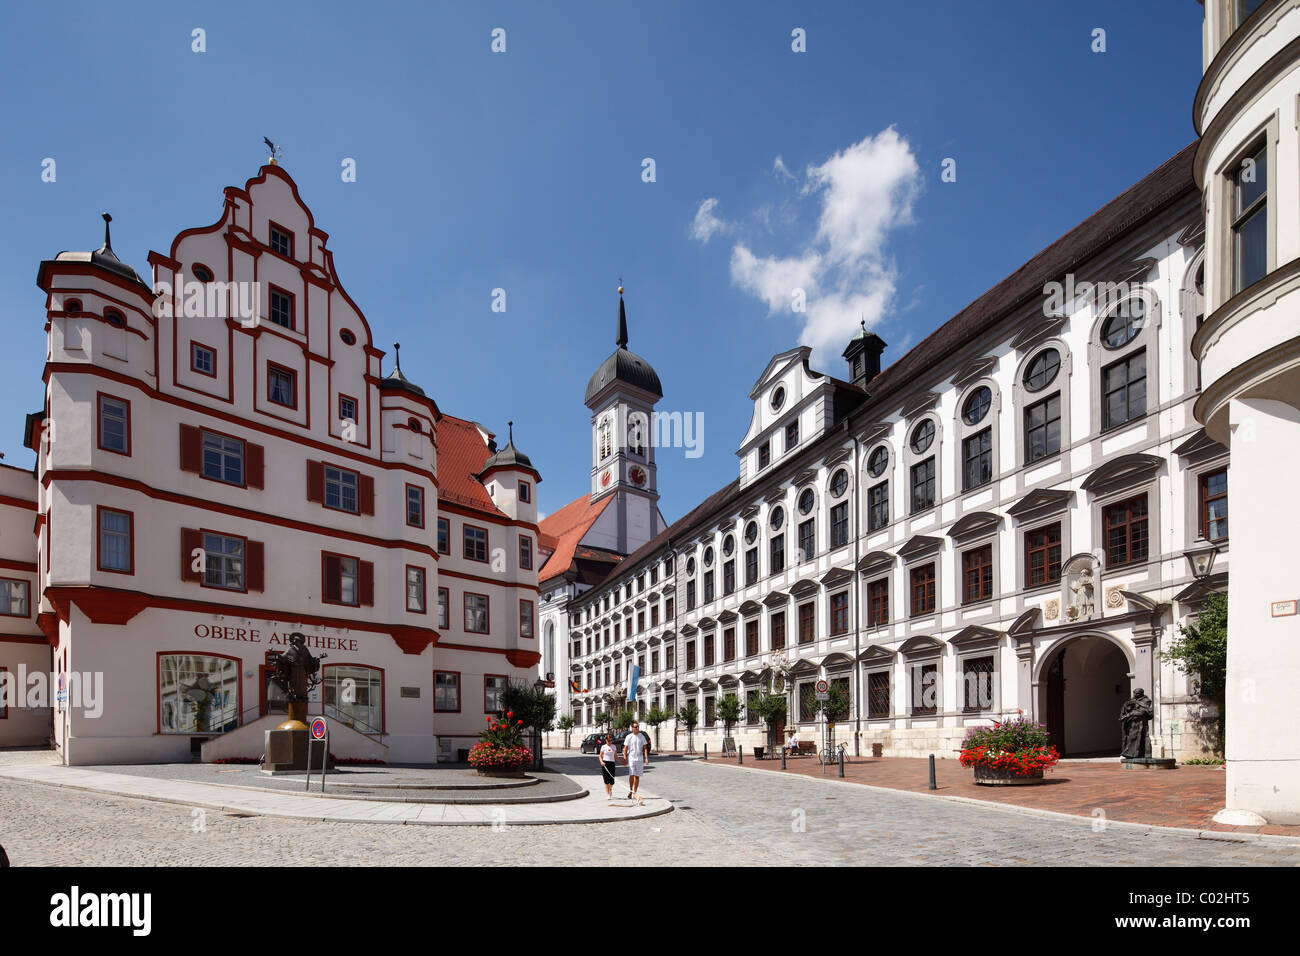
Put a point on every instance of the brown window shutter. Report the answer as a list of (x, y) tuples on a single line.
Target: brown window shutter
[(316, 482), (255, 566), (191, 538), (366, 493), (366, 584), (256, 465), (333, 583), (191, 449)]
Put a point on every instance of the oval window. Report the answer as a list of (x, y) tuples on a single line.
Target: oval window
[(878, 462), (708, 557), (414, 424), (72, 305), (922, 436), (690, 565), (1042, 370), (840, 483), (778, 398), (751, 532), (201, 272), (347, 337), (778, 518), (806, 501), (728, 545), (1125, 325), (977, 405)]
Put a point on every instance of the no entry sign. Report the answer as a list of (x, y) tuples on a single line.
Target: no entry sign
[(318, 728)]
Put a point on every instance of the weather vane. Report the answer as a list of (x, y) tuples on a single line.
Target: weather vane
[(276, 151)]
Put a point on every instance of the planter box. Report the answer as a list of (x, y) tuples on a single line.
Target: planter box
[(990, 777)]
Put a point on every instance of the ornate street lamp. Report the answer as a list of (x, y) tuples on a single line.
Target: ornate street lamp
[(1201, 560)]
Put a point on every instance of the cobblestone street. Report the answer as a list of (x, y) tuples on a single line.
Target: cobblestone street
[(724, 815)]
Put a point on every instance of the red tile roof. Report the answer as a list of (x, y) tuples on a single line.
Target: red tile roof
[(562, 532), (461, 454)]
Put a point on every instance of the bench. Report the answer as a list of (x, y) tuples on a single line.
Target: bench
[(803, 748)]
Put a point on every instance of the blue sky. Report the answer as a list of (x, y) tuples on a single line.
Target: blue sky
[(523, 170)]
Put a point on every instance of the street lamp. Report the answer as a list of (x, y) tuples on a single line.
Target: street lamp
[(1201, 560), (539, 685)]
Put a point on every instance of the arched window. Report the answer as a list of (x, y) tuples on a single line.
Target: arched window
[(603, 431), (548, 649), (978, 435), (1127, 365)]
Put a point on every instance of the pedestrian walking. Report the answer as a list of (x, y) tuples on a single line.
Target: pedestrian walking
[(607, 755), (634, 752)]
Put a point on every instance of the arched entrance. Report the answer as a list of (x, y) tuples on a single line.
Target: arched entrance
[(1083, 684)]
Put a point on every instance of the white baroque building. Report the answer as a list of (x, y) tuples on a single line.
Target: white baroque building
[(998, 521)]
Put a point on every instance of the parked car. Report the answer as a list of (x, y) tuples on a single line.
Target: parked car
[(591, 743)]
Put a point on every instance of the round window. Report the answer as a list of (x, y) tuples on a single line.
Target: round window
[(878, 462), (413, 424), (1125, 325), (728, 545), (778, 398), (751, 532), (347, 337), (72, 305), (806, 501), (1042, 370), (977, 405), (778, 518), (690, 565), (840, 483), (922, 436), (708, 557)]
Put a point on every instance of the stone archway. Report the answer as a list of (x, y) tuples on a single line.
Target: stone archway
[(1082, 684)]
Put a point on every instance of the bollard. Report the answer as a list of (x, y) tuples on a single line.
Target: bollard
[(706, 751), (932, 786), (782, 758), (740, 754), (841, 761)]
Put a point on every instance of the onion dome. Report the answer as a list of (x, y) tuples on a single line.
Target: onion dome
[(624, 366)]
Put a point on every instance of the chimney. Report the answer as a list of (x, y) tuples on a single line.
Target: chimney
[(863, 355)]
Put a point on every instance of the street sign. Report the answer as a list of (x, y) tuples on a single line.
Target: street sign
[(318, 728), (823, 690)]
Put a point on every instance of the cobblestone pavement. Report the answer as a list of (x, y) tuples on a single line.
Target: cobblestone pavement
[(725, 815)]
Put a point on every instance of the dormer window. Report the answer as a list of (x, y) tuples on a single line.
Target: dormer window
[(282, 241)]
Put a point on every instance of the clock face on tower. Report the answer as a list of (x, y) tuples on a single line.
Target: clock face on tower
[(637, 474), (604, 478)]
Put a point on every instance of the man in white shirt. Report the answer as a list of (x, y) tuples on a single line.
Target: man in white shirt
[(634, 752)]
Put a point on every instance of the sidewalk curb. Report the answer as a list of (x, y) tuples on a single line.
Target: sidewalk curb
[(639, 813), (1225, 836)]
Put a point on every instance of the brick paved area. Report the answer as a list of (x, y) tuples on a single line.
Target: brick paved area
[(1183, 797)]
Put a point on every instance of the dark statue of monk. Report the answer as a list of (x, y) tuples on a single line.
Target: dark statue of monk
[(1135, 716), (296, 672)]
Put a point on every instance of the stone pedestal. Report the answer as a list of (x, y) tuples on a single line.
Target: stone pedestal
[(286, 750), (1148, 763)]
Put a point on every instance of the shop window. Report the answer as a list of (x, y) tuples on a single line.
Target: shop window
[(446, 692), (197, 693), (354, 695)]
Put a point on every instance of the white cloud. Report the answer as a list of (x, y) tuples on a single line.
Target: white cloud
[(865, 192), (781, 170), (705, 224)]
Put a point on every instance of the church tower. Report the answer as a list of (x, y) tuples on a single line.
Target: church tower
[(622, 395)]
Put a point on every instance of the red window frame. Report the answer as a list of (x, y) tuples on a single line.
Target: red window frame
[(444, 605), (324, 581), (446, 710), (244, 457), (531, 618), (525, 492), (878, 603), (203, 575), (487, 612), (808, 623), (525, 552), (356, 406), (272, 225), (443, 523), (424, 590), (420, 491), (922, 581), (273, 367), (99, 422), (1039, 543), (977, 574), (194, 348), (99, 530), (839, 613)]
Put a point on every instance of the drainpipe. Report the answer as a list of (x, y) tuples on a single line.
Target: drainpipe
[(677, 684), (857, 605)]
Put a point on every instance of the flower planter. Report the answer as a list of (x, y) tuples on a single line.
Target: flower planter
[(501, 772), (992, 777)]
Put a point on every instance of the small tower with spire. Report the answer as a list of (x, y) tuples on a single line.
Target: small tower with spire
[(511, 481), (863, 355), (622, 394)]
